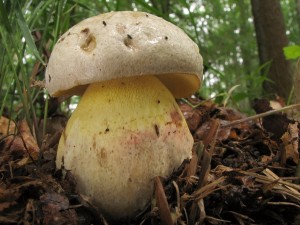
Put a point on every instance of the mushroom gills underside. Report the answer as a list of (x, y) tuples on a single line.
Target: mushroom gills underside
[(122, 134)]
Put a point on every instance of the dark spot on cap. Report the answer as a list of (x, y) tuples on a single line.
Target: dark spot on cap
[(85, 30), (158, 101), (166, 38), (103, 153), (127, 42), (106, 130), (130, 37), (89, 43), (49, 77), (104, 23), (147, 15), (61, 39), (156, 129)]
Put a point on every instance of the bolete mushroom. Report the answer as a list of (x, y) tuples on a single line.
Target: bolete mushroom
[(127, 127)]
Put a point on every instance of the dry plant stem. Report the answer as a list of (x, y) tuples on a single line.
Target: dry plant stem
[(193, 165), (177, 194), (162, 203), (267, 179), (269, 173), (208, 189), (284, 203), (218, 221), (28, 152), (192, 169), (233, 123), (271, 182), (202, 211), (209, 141), (238, 215), (297, 174)]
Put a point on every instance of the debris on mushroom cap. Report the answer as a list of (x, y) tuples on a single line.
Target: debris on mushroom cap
[(123, 44)]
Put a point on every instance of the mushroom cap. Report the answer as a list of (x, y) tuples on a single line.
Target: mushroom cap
[(124, 44)]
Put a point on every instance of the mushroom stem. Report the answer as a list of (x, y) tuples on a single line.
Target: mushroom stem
[(124, 133)]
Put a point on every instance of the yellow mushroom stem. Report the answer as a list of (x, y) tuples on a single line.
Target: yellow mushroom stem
[(123, 133)]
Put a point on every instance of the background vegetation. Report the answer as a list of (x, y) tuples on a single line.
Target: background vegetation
[(224, 31)]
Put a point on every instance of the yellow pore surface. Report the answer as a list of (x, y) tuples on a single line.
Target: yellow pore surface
[(123, 133)]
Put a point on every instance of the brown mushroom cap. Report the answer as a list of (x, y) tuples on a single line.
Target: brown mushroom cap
[(124, 44)]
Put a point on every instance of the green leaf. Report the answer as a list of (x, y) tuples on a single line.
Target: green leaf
[(292, 52)]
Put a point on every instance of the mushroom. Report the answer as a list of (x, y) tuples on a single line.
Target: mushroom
[(127, 128)]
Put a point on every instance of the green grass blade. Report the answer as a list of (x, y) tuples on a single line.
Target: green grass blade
[(4, 17), (104, 2), (5, 99), (11, 64), (27, 35), (192, 20), (38, 11), (150, 8)]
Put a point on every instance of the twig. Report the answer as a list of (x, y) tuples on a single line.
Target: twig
[(283, 203), (233, 123)]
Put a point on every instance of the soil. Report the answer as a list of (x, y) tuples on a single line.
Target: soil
[(245, 173)]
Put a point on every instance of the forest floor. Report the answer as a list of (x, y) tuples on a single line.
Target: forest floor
[(244, 173)]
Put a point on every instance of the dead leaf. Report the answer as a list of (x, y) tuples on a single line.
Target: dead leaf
[(9, 219), (30, 143), (7, 126), (266, 158), (55, 200), (275, 124), (23, 142), (6, 205), (290, 140), (229, 114), (8, 194), (53, 217), (191, 115)]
